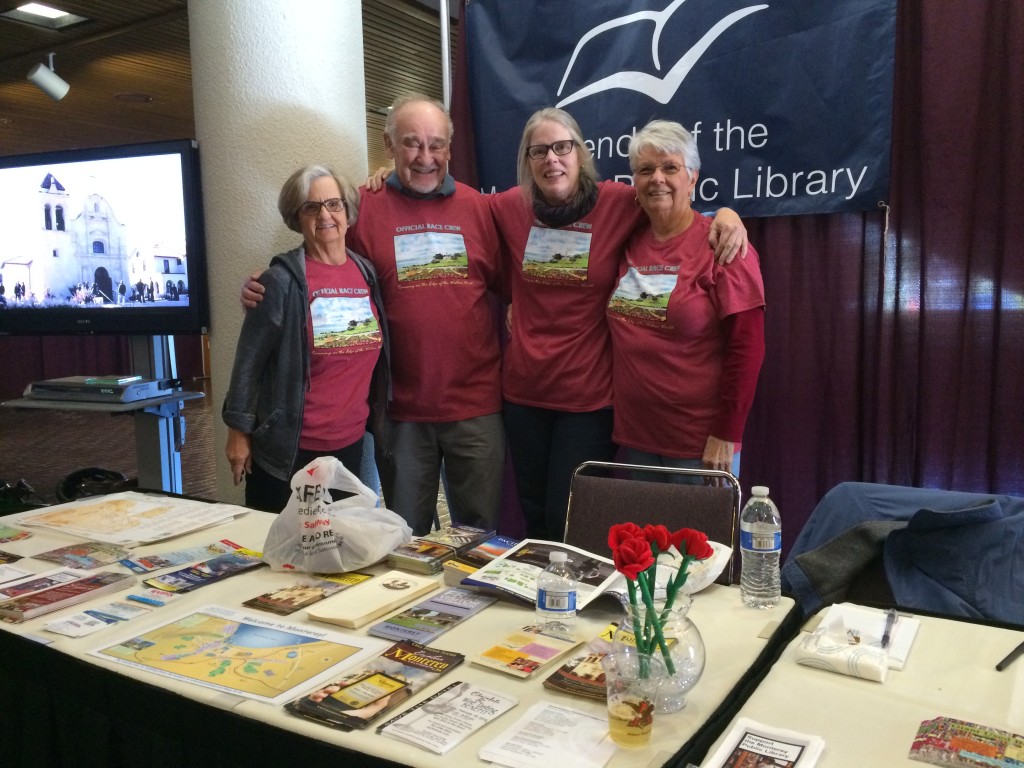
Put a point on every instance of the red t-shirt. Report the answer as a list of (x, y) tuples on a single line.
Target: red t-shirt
[(344, 342), (559, 353), (669, 341), (436, 258)]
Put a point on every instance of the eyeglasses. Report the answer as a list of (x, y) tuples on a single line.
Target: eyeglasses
[(312, 207), (668, 168), (540, 151)]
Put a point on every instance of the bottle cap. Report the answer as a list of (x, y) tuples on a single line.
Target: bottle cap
[(759, 490), (557, 557)]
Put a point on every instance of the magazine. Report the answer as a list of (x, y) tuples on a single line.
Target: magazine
[(958, 743), (749, 741), (305, 592), (425, 621), (207, 572), (473, 559), (444, 720), (514, 573), (523, 652), (365, 694)]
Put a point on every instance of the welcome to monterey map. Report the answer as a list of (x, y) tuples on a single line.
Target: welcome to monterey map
[(239, 653)]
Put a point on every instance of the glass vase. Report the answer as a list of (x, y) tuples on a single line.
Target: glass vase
[(684, 642)]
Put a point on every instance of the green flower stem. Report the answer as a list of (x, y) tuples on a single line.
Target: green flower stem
[(674, 585), (645, 589), (638, 637)]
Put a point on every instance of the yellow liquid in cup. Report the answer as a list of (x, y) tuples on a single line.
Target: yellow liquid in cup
[(619, 717)]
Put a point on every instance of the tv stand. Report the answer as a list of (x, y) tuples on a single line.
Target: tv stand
[(159, 425)]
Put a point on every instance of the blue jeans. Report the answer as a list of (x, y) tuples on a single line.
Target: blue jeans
[(634, 456), (546, 447)]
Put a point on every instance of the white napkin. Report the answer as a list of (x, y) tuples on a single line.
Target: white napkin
[(837, 647)]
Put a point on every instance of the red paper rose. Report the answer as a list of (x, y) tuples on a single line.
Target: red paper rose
[(693, 543), (632, 556), (621, 532)]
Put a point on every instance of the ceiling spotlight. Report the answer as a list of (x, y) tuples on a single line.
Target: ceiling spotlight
[(47, 81)]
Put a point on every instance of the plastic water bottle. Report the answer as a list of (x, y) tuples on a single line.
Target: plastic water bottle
[(556, 597), (760, 547)]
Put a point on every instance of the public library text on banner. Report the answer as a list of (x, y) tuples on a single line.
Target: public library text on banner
[(790, 100)]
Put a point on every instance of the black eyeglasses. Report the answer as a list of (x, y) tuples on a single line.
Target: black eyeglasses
[(312, 207), (540, 151)]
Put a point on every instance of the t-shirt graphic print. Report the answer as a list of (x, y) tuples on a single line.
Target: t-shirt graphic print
[(643, 297), (430, 256), (556, 255), (343, 323)]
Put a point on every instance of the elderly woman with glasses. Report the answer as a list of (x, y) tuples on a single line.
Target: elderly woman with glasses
[(565, 233), (308, 353), (687, 334)]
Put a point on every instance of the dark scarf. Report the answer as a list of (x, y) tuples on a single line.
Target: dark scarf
[(556, 216)]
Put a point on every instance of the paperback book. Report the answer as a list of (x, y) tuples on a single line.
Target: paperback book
[(64, 595), (475, 558), (207, 572), (524, 652), (514, 573), (437, 614), (961, 744), (384, 683), (426, 554), (444, 720), (372, 599), (305, 592)]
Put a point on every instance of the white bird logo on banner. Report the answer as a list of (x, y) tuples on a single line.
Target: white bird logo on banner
[(660, 89)]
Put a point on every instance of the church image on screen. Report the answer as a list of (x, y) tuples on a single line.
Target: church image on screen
[(72, 245)]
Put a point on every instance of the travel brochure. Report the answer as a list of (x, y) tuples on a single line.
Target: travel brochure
[(368, 601), (523, 652), (63, 594), (207, 572), (427, 554), (437, 614), (154, 562), (304, 592), (750, 743), (256, 657), (85, 555), (960, 744)]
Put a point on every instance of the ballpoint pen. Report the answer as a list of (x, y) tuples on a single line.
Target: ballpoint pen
[(890, 621), (1010, 658)]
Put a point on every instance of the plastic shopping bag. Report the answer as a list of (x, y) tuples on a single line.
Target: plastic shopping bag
[(317, 535)]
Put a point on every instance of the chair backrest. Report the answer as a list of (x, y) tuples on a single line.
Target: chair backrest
[(605, 493)]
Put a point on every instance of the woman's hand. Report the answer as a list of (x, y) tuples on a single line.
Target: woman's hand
[(252, 292), (728, 236), (239, 453), (375, 182), (718, 454)]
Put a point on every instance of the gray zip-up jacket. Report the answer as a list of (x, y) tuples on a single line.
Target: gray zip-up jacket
[(271, 372)]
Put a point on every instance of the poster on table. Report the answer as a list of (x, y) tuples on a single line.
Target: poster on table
[(790, 100)]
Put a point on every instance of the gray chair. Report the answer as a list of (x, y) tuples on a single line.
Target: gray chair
[(605, 493)]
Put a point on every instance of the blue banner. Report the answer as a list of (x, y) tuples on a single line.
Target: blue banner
[(790, 100)]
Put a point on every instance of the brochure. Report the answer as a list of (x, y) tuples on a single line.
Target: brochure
[(753, 743), (425, 621), (552, 735), (444, 720), (372, 599), (64, 595), (153, 562), (523, 652), (305, 592), (961, 744), (85, 555), (207, 572)]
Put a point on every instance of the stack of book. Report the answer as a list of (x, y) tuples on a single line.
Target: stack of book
[(471, 560), (427, 554), (52, 591)]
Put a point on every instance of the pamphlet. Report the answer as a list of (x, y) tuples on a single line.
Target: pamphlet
[(153, 562), (960, 744), (85, 555), (368, 601), (514, 573), (257, 657), (306, 591), (9, 534), (582, 674), (425, 621), (9, 557), (523, 652), (444, 720), (64, 595), (551, 734), (752, 743), (426, 554), (207, 572), (12, 572), (364, 695), (473, 559)]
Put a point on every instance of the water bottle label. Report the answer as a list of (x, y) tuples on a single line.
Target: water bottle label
[(761, 542), (556, 601)]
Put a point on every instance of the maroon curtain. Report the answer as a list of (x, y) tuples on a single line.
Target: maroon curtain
[(895, 339)]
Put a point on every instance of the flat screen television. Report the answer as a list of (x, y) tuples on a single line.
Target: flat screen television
[(106, 240)]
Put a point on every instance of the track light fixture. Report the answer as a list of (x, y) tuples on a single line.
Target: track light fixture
[(47, 81)]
